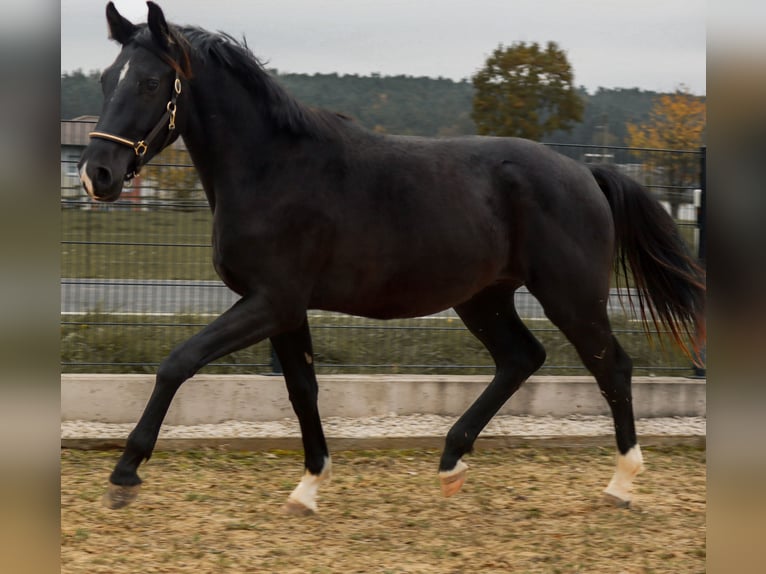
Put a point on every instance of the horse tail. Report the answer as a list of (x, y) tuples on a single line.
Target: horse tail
[(669, 283)]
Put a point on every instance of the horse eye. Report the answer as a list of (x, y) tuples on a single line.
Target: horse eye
[(151, 85)]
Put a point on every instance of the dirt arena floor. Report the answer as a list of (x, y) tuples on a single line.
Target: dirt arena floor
[(521, 510)]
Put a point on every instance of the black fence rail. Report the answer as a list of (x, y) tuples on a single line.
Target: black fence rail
[(137, 279)]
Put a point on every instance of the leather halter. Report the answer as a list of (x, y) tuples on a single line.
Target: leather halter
[(140, 147)]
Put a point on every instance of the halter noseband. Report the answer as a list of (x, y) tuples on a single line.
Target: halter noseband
[(140, 147)]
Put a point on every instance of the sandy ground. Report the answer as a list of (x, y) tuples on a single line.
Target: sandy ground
[(521, 510)]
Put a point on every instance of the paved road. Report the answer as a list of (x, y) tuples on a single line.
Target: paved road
[(126, 296)]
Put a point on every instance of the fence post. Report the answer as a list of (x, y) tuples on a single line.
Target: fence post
[(702, 209), (276, 366), (701, 372)]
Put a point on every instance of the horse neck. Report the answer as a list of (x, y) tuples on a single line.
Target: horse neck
[(225, 129)]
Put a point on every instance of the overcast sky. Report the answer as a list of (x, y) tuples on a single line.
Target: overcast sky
[(650, 44)]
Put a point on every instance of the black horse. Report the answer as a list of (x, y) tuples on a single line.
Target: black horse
[(311, 211)]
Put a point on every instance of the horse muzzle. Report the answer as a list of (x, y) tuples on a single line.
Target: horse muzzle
[(100, 181)]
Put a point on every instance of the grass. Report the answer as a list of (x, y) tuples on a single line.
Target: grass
[(342, 344), (158, 244), (393, 518), (175, 245)]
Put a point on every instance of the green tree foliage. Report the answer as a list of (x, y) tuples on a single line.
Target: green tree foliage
[(606, 115), (173, 174), (525, 91), (80, 94), (391, 104), (417, 106)]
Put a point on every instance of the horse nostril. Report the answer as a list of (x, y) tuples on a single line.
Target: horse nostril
[(103, 177)]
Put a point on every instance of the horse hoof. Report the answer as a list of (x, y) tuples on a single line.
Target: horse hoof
[(616, 501), (117, 496), (295, 508), (452, 480)]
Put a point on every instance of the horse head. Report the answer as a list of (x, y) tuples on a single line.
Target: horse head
[(139, 117)]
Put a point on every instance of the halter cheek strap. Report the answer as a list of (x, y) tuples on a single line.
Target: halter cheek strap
[(140, 147)]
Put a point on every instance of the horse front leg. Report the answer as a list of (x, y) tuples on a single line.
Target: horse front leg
[(247, 322), (296, 356)]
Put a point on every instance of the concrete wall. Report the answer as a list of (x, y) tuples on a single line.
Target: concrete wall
[(209, 399)]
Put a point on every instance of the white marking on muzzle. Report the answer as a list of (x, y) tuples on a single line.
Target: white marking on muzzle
[(85, 179)]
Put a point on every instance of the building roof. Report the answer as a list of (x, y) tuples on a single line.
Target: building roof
[(75, 132)]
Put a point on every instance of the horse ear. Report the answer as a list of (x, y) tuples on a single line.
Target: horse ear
[(158, 26), (120, 29)]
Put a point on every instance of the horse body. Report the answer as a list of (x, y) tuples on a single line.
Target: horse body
[(389, 260), (311, 211), (353, 229)]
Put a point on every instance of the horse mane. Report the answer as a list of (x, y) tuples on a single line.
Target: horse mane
[(220, 48)]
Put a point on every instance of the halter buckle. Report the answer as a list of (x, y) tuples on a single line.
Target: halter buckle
[(140, 148), (171, 107)]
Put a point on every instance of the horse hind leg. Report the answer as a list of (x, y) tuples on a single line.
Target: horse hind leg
[(295, 354), (630, 462), (492, 318), (587, 327)]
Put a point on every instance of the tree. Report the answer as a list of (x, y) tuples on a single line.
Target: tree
[(173, 176), (525, 91), (80, 94), (676, 122)]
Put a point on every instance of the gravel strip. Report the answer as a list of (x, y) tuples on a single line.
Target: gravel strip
[(398, 426)]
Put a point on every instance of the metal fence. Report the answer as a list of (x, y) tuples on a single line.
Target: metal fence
[(137, 279)]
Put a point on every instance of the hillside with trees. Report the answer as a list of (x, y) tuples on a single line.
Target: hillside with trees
[(390, 104), (80, 94), (606, 115), (411, 105)]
